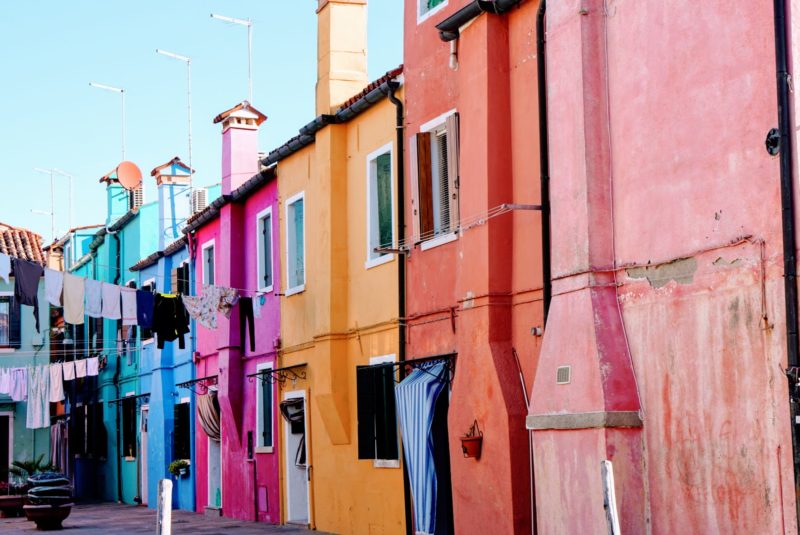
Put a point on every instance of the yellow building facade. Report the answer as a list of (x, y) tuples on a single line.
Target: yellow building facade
[(337, 183)]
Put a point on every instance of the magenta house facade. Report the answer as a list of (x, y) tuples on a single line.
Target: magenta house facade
[(234, 243)]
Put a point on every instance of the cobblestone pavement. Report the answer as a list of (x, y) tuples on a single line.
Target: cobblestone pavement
[(114, 519)]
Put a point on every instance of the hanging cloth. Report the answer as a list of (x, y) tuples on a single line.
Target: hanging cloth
[(80, 368), (38, 415), (111, 301), (74, 288), (128, 296), (94, 298), (56, 383), (208, 415), (26, 285), (145, 303), (228, 299), (69, 370), (170, 320), (19, 384), (53, 286), (5, 267), (294, 412), (416, 398), (92, 366), (5, 381), (203, 308)]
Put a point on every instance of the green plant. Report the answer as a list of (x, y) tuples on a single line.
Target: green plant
[(176, 467), (25, 469)]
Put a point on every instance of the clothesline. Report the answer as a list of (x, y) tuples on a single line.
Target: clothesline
[(95, 351)]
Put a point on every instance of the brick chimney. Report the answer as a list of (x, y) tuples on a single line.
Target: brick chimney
[(172, 181), (239, 144), (341, 52)]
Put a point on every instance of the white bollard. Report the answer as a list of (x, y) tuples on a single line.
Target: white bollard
[(164, 510)]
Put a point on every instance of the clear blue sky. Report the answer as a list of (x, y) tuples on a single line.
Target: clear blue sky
[(51, 49)]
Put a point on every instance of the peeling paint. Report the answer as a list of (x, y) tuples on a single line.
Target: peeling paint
[(681, 270)]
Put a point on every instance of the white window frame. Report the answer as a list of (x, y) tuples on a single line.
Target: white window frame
[(386, 463), (10, 349), (260, 253), (151, 280), (203, 248), (422, 17), (291, 200), (260, 408), (382, 258), (430, 126)]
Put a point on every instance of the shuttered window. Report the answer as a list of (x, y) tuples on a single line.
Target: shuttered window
[(295, 229), (435, 180), (129, 427), (264, 413), (377, 417), (265, 250), (180, 279), (208, 264), (181, 443), (380, 227), (5, 321)]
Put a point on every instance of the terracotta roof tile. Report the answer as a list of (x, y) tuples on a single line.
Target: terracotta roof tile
[(21, 243), (394, 73)]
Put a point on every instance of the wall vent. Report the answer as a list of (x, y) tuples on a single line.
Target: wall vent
[(136, 197), (199, 200), (563, 375)]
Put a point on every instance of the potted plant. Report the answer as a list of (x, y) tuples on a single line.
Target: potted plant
[(12, 498), (472, 442), (179, 468)]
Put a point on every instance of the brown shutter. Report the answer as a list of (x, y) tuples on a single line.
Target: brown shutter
[(174, 286), (425, 185), (414, 174), (453, 149)]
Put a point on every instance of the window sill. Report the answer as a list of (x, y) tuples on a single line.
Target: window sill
[(438, 240), (148, 341), (385, 463), (295, 290), (375, 262), (422, 17), (266, 290), (129, 459), (7, 349), (264, 449)]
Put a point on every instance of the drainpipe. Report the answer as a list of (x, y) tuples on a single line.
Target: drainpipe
[(449, 27), (544, 159), (789, 238), (401, 270), (116, 380)]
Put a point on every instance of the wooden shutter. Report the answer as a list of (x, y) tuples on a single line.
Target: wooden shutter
[(420, 171), (266, 413), (174, 280), (365, 401), (385, 413), (15, 321), (453, 174)]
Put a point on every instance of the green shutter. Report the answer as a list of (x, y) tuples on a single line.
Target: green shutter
[(299, 267), (266, 237), (266, 413), (384, 191)]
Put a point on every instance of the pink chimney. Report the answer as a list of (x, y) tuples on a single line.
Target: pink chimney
[(239, 144)]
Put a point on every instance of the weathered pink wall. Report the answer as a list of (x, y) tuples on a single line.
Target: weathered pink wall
[(667, 254)]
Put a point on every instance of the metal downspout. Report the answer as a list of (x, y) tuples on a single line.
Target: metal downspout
[(544, 159), (116, 386), (789, 238), (401, 272)]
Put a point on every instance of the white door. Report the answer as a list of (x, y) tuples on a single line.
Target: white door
[(143, 423), (214, 474), (297, 471)]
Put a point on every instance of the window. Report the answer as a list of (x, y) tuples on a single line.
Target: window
[(181, 436), (10, 328), (129, 427), (380, 223), (426, 8), (295, 244), (88, 436), (435, 179), (264, 413), (377, 418), (180, 279), (264, 237), (96, 342), (208, 263)]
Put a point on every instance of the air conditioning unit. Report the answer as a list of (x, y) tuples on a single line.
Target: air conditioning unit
[(137, 197), (199, 200)]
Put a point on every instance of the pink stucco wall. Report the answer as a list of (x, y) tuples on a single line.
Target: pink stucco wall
[(667, 265), (235, 235)]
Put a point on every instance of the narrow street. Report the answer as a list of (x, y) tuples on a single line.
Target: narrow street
[(113, 519)]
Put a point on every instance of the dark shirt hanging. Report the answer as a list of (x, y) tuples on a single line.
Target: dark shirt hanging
[(26, 285), (170, 320), (145, 301)]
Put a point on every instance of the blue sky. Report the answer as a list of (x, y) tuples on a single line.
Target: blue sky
[(52, 49)]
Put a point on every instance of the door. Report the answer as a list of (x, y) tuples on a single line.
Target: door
[(6, 443), (295, 425), (214, 474), (143, 423)]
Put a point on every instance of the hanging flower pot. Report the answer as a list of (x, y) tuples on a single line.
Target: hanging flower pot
[(472, 442)]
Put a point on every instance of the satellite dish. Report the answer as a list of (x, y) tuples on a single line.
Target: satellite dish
[(129, 175)]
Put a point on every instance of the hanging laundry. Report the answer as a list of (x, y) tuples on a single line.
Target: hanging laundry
[(38, 415), (53, 286), (5, 380), (228, 299), (69, 370), (26, 285), (111, 301), (59, 446), (246, 316), (5, 267), (92, 366), (19, 384), (74, 288), (170, 319), (258, 302), (80, 368), (94, 298), (128, 306), (56, 383), (203, 308), (145, 303)]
